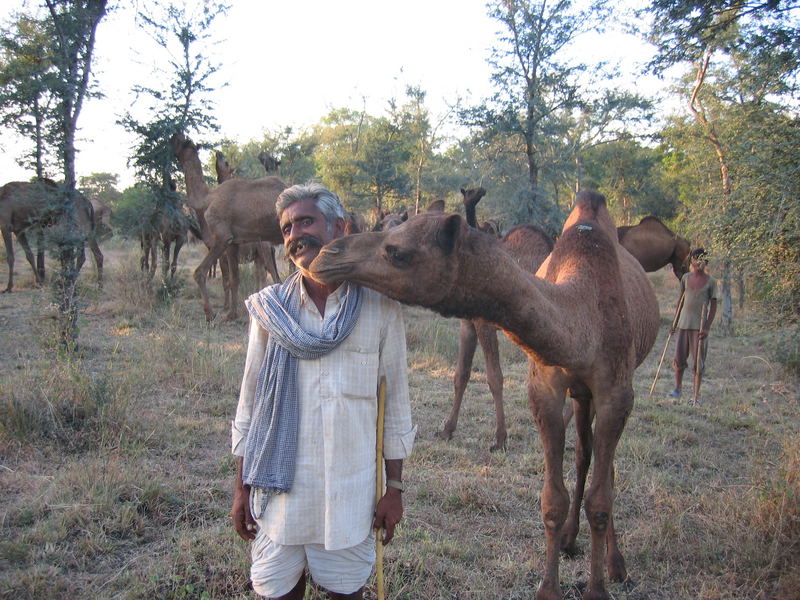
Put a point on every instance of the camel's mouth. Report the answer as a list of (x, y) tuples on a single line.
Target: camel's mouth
[(328, 266)]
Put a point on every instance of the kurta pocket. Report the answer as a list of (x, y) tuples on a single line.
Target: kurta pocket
[(359, 374)]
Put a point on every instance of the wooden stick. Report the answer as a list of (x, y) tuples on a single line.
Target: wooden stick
[(669, 337), (698, 369), (379, 484)]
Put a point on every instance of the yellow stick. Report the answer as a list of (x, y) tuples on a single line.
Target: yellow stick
[(379, 483)]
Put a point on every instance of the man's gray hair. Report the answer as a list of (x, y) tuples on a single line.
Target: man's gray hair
[(326, 201)]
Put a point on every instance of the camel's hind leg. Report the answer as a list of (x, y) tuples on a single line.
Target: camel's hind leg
[(611, 414), (201, 273), (487, 336), (233, 275), (23, 241), (583, 458), (98, 259), (467, 343), (9, 244)]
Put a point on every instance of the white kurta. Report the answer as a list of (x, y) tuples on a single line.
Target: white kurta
[(332, 499)]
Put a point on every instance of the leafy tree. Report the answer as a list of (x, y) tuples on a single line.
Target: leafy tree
[(380, 165), (102, 186), (27, 83), (340, 136), (73, 24), (294, 150), (744, 57), (183, 105), (533, 80)]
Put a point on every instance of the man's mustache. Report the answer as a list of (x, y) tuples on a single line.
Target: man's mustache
[(307, 241)]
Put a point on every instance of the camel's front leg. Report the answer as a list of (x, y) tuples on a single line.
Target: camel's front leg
[(612, 412), (546, 400), (487, 336), (467, 342)]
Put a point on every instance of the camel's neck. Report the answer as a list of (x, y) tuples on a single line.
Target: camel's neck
[(491, 286), (470, 214), (196, 186)]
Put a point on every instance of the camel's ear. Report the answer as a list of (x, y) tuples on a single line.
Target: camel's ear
[(463, 192), (447, 235), (404, 216)]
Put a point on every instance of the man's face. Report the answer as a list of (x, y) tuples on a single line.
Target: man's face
[(305, 231), (698, 264)]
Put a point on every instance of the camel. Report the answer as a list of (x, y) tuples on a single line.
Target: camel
[(262, 253), (655, 245), (26, 207), (235, 212), (269, 162), (530, 246), (471, 197), (388, 220), (586, 321)]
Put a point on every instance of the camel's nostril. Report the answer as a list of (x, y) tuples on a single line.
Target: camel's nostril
[(332, 250)]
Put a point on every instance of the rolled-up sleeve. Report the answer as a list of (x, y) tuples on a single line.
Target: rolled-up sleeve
[(256, 349), (399, 431)]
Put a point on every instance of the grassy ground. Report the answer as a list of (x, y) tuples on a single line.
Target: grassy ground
[(115, 469)]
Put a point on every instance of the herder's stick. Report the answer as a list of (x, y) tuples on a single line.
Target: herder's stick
[(669, 337), (379, 483), (699, 362)]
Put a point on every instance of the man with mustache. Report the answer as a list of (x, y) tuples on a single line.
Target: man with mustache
[(305, 426)]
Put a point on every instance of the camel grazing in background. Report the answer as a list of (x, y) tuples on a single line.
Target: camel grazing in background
[(235, 212), (529, 245), (471, 197), (28, 207), (388, 220), (655, 245), (586, 321)]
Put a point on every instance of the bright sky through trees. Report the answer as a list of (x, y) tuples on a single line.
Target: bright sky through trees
[(289, 63)]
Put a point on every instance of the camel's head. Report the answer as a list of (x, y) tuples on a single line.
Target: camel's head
[(472, 196), (416, 262), (389, 220)]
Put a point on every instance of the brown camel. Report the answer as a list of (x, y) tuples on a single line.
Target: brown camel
[(586, 320), (388, 220), (471, 197), (530, 246), (235, 212), (261, 253), (27, 207), (655, 245)]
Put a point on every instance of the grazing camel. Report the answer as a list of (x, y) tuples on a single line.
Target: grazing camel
[(654, 245), (530, 246), (587, 319), (27, 207), (235, 212)]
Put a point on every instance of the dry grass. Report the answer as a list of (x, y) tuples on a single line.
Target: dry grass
[(115, 471)]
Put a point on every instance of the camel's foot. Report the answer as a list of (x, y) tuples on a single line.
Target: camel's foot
[(499, 445), (569, 537), (6, 291), (615, 567), (445, 434), (548, 593), (231, 316), (597, 594)]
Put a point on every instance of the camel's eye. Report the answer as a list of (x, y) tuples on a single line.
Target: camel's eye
[(398, 257)]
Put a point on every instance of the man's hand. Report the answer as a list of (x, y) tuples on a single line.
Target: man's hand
[(388, 513), (703, 334), (243, 520)]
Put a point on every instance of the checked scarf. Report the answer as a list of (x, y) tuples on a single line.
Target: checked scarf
[(271, 446)]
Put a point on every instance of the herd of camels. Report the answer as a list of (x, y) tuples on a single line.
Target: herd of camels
[(586, 320)]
